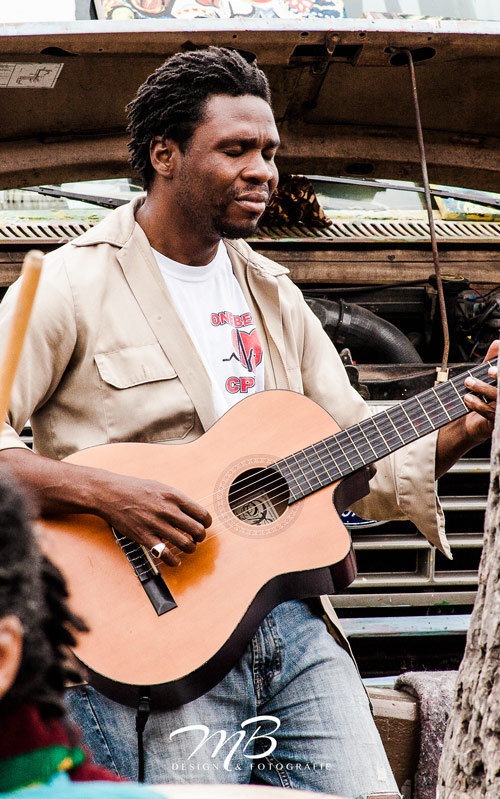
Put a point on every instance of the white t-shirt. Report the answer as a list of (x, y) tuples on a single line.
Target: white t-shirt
[(215, 313)]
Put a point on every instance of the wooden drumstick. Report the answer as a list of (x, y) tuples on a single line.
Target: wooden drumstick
[(30, 274)]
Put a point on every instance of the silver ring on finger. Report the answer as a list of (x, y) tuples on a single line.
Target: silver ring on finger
[(158, 550)]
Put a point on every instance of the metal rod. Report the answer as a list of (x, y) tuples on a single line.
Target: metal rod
[(30, 276), (481, 197), (442, 374), (56, 191)]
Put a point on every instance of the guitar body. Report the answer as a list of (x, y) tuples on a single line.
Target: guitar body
[(236, 576)]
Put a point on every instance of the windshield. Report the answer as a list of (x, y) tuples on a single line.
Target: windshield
[(339, 197)]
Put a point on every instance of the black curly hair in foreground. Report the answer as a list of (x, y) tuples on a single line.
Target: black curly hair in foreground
[(171, 102), (33, 589)]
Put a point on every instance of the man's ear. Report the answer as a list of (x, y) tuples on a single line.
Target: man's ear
[(165, 155), (11, 650)]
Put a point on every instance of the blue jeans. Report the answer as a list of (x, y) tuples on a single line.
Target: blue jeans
[(293, 712)]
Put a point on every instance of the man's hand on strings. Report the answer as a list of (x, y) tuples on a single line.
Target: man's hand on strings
[(152, 514), (482, 400), (458, 437)]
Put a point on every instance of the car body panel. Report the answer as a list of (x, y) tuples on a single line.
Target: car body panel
[(341, 106)]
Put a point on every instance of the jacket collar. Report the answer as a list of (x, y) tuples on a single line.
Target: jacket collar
[(256, 275), (118, 227)]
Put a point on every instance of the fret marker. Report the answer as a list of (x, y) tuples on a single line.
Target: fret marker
[(395, 428), (427, 415), (439, 400), (330, 456), (343, 451), (409, 419), (311, 463), (302, 470), (365, 437), (380, 432), (458, 394), (287, 479), (346, 431)]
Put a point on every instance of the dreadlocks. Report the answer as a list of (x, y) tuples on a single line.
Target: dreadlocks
[(33, 589), (171, 102)]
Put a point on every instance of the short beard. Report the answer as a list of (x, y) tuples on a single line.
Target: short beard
[(228, 231), (216, 227)]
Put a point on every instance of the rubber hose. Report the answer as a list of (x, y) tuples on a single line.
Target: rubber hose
[(352, 326)]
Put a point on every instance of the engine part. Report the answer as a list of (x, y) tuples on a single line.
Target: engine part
[(371, 339)]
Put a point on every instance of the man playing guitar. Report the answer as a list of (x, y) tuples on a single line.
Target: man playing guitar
[(148, 328)]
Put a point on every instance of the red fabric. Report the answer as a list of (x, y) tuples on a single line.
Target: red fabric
[(24, 730)]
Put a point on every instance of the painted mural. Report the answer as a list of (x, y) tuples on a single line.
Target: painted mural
[(219, 9)]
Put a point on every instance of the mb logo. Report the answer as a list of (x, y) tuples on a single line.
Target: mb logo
[(242, 739)]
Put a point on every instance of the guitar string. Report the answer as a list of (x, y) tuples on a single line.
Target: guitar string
[(230, 515), (444, 416), (391, 431), (386, 427), (387, 431), (309, 468)]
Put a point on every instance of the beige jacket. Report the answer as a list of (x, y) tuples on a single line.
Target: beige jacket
[(107, 359)]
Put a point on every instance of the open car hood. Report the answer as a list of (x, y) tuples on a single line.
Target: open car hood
[(341, 96)]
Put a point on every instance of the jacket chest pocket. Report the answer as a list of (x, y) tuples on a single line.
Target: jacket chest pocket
[(142, 397)]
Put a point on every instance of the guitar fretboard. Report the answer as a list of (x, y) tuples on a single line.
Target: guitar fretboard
[(337, 456)]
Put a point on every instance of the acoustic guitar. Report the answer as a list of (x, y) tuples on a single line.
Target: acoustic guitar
[(265, 471)]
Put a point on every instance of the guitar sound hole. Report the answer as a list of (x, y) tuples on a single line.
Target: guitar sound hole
[(259, 496)]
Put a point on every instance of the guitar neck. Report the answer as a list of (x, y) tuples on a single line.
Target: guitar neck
[(338, 456)]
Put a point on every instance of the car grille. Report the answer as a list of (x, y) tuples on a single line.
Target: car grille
[(384, 231), (41, 233), (353, 231)]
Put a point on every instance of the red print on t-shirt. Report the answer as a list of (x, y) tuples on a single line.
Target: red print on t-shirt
[(248, 348)]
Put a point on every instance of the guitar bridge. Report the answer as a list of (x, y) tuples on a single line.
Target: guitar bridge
[(150, 578), (159, 594)]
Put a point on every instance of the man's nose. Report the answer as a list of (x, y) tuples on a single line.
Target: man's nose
[(260, 170)]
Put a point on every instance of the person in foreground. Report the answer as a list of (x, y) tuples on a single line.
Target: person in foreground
[(148, 328), (40, 751)]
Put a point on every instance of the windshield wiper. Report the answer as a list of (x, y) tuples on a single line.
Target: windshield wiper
[(481, 197), (56, 191)]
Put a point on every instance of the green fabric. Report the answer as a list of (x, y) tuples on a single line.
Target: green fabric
[(33, 768)]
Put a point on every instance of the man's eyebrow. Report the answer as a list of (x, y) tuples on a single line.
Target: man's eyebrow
[(248, 141)]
